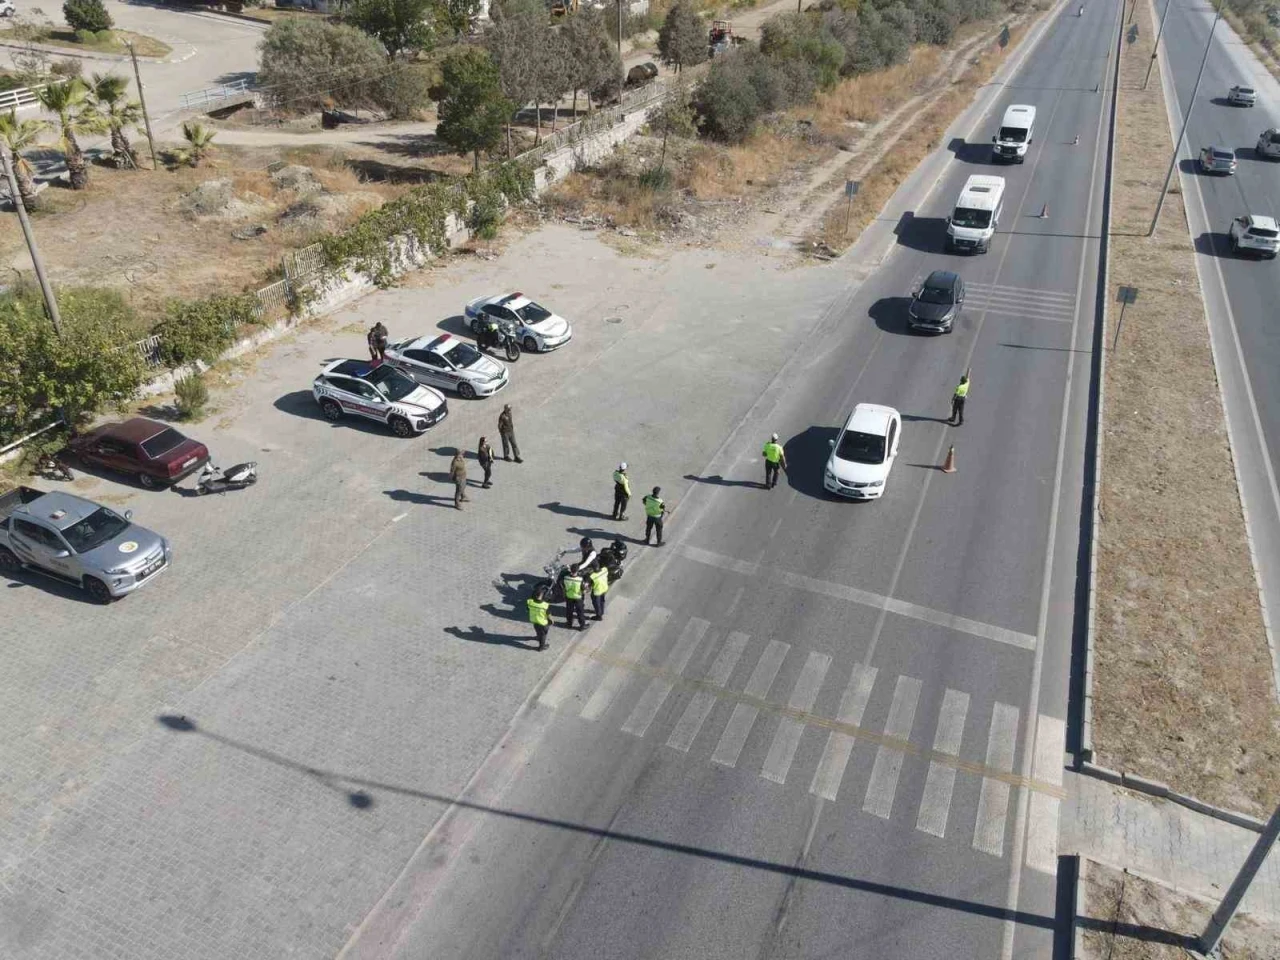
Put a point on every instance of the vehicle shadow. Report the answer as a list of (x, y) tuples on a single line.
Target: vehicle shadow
[(926, 234), (478, 635), (424, 499), (890, 315), (966, 152), (1222, 102), (166, 412), (1252, 154), (564, 509), (806, 453), (111, 476), (457, 324), (604, 537), (716, 480), (1215, 245), (50, 585)]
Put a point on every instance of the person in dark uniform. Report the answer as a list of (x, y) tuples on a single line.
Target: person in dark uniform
[(507, 431), (599, 589), (458, 474), (957, 401), (539, 616), (574, 585), (377, 343), (621, 491), (655, 511), (484, 454)]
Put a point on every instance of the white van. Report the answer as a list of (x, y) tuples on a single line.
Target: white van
[(977, 214), (1015, 134)]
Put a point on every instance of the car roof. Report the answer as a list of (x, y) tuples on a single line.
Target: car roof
[(135, 430), (60, 509), (1244, 89), (1266, 223), (942, 278), (871, 418), (1223, 150), (350, 368)]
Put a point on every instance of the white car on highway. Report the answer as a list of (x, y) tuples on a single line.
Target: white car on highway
[(1269, 144), (1242, 96), (863, 454), (537, 327), (448, 362), (1255, 234)]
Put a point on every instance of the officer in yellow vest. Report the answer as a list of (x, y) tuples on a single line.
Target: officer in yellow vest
[(621, 491), (599, 588), (775, 459), (957, 401), (539, 616), (655, 512), (573, 586)]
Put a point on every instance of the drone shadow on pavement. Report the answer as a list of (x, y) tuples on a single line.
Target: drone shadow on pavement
[(480, 635)]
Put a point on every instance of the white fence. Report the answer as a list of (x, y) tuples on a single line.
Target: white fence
[(215, 96), (19, 98)]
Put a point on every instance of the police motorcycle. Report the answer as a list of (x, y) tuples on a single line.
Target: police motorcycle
[(610, 558), (233, 478), (498, 335)]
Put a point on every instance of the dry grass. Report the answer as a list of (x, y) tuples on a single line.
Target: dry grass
[(715, 172), (66, 39), (1182, 686), (866, 98), (1121, 909)]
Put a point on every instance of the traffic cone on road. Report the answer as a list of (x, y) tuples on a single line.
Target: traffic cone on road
[(949, 465)]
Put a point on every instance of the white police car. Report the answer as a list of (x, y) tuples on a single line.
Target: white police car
[(451, 363), (381, 392), (537, 327)]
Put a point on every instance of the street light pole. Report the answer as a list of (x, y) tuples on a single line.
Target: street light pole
[(1212, 936), (1191, 105), (619, 27), (50, 301), (142, 100), (1155, 50)]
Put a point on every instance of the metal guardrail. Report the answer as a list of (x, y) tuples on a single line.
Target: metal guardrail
[(215, 95), (602, 119), (20, 98), (271, 300), (149, 349)]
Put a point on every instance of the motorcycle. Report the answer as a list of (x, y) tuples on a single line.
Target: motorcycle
[(233, 478), (612, 558), (52, 468), (504, 338)]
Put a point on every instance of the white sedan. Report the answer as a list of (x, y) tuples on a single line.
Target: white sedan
[(448, 362), (537, 327), (863, 454)]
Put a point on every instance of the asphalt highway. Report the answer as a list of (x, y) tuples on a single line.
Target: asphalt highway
[(1240, 293), (816, 728)]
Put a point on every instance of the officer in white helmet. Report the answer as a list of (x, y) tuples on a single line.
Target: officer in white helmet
[(621, 491)]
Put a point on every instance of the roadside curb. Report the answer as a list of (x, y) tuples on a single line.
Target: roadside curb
[(89, 54), (1162, 791), (1077, 904)]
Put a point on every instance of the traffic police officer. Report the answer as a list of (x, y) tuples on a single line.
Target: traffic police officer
[(573, 584), (957, 400), (538, 616), (655, 511), (775, 458), (599, 588), (621, 491)]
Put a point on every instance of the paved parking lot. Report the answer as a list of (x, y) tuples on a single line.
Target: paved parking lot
[(339, 639)]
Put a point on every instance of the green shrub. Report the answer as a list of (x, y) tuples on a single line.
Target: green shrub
[(86, 15), (199, 330), (191, 394), (105, 36), (486, 215), (85, 36), (67, 68)]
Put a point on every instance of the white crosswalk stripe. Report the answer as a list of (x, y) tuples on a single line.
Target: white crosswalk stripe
[(695, 714), (835, 757), (1044, 810), (787, 739), (1020, 302), (888, 763), (993, 800), (634, 649), (744, 714), (941, 781), (655, 695)]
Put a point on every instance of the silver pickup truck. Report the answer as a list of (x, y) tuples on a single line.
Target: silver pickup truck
[(79, 541)]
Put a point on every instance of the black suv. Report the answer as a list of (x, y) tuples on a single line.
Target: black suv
[(936, 305)]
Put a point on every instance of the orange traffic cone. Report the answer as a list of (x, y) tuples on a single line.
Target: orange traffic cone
[(949, 465)]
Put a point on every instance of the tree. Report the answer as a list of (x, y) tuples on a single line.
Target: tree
[(88, 15), (305, 63), (194, 331), (513, 43), (199, 142), (110, 97), (551, 79), (503, 11), (458, 15), (399, 25), (674, 117), (804, 38), (593, 62), (682, 39), (90, 367), (472, 108), (20, 135), (69, 102)]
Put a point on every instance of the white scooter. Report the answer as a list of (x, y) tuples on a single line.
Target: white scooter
[(233, 478)]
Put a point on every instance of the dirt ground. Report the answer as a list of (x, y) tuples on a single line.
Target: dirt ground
[(1182, 683), (1126, 917)]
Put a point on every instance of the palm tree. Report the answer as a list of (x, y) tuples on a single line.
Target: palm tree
[(199, 139), (19, 135), (110, 98), (69, 101)]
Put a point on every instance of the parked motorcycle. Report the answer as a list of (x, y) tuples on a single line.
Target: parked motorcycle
[(51, 467), (233, 478), (611, 558), (505, 338)]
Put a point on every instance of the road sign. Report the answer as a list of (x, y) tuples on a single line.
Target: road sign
[(1004, 36), (851, 188), (1127, 295)]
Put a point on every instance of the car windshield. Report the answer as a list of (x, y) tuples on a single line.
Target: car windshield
[(968, 217), (94, 530), (932, 294), (1013, 134), (1264, 232), (861, 447), (1248, 91), (532, 313), (1275, 137), (1223, 155), (462, 355), (162, 443), (391, 383)]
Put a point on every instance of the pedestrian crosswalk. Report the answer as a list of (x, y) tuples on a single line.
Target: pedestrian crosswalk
[(689, 666), (1023, 302)]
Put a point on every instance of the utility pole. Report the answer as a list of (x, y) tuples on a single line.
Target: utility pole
[(50, 302), (1155, 50), (1212, 936), (142, 99), (619, 27), (1191, 105)]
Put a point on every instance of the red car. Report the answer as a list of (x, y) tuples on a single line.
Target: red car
[(152, 453)]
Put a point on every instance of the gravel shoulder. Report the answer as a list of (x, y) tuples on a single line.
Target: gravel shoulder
[(1182, 680)]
